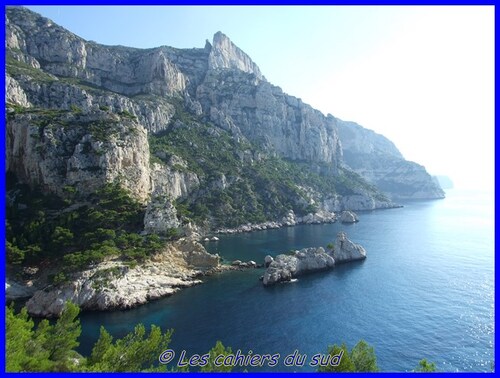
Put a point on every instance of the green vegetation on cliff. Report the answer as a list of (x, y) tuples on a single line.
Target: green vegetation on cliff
[(240, 183), (76, 231)]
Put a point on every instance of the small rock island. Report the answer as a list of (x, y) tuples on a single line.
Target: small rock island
[(287, 266)]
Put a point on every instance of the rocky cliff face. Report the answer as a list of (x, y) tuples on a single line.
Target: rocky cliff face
[(378, 160), (224, 54), (57, 149), (82, 114)]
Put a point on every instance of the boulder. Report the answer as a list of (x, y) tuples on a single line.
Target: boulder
[(268, 260), (345, 250), (348, 216), (16, 290)]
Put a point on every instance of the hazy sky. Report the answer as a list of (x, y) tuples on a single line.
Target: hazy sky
[(421, 76)]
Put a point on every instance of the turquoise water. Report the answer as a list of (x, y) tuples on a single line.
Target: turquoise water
[(426, 290)]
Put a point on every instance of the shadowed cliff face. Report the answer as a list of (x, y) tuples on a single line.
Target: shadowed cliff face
[(200, 126)]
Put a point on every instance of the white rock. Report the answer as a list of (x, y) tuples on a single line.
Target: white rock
[(345, 250), (349, 217), (286, 267), (132, 286)]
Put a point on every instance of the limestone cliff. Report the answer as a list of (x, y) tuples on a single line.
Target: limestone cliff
[(378, 160), (56, 149), (189, 126)]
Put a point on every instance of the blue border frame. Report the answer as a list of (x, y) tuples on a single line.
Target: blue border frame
[(228, 2)]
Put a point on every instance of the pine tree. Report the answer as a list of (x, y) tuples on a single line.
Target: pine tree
[(217, 350), (363, 357), (345, 365)]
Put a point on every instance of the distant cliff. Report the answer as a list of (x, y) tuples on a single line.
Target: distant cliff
[(444, 181), (378, 160)]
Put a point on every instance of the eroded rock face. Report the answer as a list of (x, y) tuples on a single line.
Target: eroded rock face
[(160, 217), (240, 102), (345, 250), (16, 290), (225, 54), (113, 285), (218, 82), (58, 149), (167, 180)]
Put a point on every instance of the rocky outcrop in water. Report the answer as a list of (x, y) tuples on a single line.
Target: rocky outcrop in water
[(345, 250), (349, 217), (307, 260), (285, 267)]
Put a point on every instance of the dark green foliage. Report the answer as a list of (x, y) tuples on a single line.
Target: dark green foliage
[(135, 352), (44, 118), (46, 347), (15, 255), (102, 130), (58, 278), (361, 359), (217, 350), (172, 233), (345, 365), (75, 109), (127, 114), (75, 231), (51, 347), (425, 367)]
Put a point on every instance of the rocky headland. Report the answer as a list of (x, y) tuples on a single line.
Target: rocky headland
[(114, 284)]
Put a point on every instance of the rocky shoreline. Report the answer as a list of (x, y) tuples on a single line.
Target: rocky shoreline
[(290, 219), (114, 284)]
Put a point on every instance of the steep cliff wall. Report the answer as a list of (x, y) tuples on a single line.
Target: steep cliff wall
[(84, 114)]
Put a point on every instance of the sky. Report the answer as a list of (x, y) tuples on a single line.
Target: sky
[(421, 76)]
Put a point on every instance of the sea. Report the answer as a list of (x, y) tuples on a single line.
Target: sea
[(425, 290)]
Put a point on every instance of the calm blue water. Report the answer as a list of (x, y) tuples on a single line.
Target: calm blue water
[(426, 290)]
